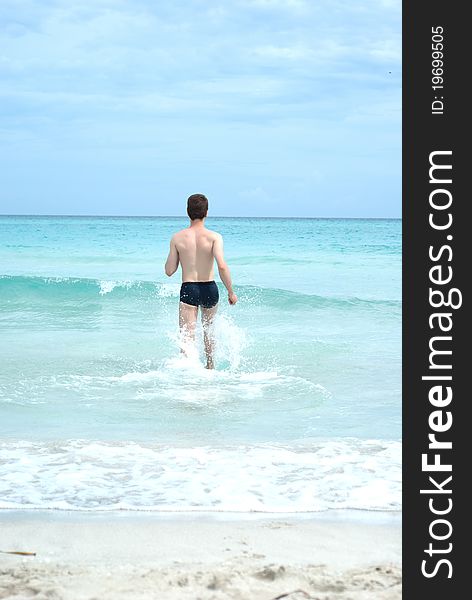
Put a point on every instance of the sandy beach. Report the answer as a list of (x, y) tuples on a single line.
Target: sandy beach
[(93, 556)]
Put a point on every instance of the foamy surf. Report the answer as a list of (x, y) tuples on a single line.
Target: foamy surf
[(185, 379), (91, 475)]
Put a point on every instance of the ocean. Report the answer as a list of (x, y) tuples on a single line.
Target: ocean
[(99, 411)]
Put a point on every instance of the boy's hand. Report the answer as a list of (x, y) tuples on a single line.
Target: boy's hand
[(232, 298)]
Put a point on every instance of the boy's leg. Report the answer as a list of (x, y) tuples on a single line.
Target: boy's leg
[(208, 314), (187, 323)]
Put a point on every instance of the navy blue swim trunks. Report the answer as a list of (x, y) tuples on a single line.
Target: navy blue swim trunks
[(200, 293)]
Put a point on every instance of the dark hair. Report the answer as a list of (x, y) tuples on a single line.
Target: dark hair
[(197, 206)]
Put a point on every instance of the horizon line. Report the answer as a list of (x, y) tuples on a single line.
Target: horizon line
[(186, 217)]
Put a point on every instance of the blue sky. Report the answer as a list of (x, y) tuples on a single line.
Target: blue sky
[(269, 107)]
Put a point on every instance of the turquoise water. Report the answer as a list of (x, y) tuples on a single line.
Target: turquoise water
[(99, 410)]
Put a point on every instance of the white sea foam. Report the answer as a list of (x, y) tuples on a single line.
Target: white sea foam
[(168, 290), (183, 379), (91, 475), (107, 286)]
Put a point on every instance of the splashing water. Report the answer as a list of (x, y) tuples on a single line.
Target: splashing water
[(229, 343)]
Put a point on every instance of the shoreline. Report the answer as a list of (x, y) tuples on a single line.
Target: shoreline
[(367, 516), (86, 556)]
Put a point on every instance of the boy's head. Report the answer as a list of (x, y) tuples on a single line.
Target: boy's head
[(197, 206)]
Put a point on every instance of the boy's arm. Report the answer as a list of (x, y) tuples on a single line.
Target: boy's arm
[(223, 268), (172, 261)]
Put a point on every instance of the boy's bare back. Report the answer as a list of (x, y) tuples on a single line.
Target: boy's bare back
[(197, 248)]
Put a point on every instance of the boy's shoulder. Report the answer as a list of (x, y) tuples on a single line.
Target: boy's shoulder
[(214, 234), (179, 234)]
